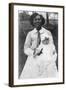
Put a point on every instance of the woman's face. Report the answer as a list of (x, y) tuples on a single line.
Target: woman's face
[(37, 22)]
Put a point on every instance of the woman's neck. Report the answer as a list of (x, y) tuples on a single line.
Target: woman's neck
[(38, 28)]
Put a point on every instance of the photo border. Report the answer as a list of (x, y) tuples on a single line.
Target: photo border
[(11, 43)]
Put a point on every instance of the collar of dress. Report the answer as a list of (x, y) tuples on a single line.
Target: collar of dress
[(41, 31)]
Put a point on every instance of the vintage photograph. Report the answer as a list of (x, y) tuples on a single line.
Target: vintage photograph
[(36, 43)]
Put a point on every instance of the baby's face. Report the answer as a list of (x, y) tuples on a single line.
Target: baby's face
[(45, 41)]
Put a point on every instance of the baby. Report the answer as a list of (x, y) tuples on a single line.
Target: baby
[(46, 50), (46, 57)]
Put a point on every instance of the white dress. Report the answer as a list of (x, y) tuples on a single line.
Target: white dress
[(43, 65)]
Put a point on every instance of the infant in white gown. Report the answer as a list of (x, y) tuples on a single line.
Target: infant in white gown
[(47, 58)]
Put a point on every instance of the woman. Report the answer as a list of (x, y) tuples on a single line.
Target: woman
[(36, 65)]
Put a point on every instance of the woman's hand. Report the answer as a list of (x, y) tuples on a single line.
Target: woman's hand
[(36, 52)]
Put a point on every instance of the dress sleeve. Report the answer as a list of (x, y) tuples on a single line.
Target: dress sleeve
[(54, 53), (53, 46), (50, 38), (27, 46)]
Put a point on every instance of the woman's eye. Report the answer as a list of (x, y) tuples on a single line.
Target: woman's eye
[(37, 19)]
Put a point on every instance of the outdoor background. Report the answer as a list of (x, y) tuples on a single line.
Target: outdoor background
[(51, 23)]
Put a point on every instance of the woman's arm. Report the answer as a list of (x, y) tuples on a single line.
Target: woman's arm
[(50, 38), (27, 46), (54, 53), (53, 47)]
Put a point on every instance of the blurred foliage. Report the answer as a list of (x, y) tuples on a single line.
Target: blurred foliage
[(24, 16)]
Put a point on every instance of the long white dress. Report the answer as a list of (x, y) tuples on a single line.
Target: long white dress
[(43, 65)]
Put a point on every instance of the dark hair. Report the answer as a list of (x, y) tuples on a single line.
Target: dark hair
[(33, 16)]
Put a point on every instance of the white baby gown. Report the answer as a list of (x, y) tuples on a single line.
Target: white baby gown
[(43, 65)]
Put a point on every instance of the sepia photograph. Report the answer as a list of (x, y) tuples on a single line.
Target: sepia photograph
[(36, 45)]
